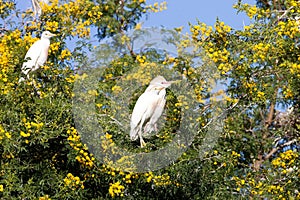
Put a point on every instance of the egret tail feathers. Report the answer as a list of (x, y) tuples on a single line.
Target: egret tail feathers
[(149, 128), (134, 133)]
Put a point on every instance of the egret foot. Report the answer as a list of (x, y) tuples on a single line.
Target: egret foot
[(143, 144)]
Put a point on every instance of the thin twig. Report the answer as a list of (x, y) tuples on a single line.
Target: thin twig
[(285, 13), (119, 123)]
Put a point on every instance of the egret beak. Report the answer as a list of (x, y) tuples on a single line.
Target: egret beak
[(168, 83), (52, 34), (177, 81)]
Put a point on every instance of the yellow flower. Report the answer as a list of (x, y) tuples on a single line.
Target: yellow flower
[(138, 26), (8, 135), (1, 188), (116, 189), (116, 89), (46, 197), (23, 134)]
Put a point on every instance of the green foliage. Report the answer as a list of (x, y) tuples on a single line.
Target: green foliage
[(233, 155)]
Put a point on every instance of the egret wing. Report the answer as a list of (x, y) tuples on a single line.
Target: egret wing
[(32, 56), (142, 112), (141, 107), (43, 54), (158, 110)]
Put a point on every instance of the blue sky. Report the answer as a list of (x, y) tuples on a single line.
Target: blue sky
[(180, 12)]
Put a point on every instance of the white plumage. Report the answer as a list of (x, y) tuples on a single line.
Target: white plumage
[(148, 109), (37, 55)]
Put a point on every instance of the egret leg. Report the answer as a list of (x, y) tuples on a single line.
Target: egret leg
[(155, 127), (143, 144)]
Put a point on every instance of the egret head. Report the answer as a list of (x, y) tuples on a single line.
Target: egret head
[(160, 81), (47, 35)]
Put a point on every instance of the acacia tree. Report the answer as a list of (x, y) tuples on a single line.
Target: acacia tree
[(43, 153), (261, 66)]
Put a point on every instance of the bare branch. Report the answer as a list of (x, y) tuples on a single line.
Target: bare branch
[(258, 163)]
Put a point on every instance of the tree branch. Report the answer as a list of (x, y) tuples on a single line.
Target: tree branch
[(258, 163)]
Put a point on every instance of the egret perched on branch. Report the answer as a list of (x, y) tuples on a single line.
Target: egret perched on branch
[(37, 55), (148, 108)]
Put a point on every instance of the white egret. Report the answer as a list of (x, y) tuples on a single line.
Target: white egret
[(37, 55), (148, 108)]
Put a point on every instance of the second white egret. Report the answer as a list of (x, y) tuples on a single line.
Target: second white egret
[(148, 109), (37, 55)]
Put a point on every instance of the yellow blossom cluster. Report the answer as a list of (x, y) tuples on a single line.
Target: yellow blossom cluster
[(235, 154), (107, 143), (140, 59), (138, 26), (4, 134), (73, 78), (116, 189), (30, 128), (156, 7), (116, 89), (285, 160), (260, 187), (9, 43), (289, 28), (83, 156), (139, 1), (128, 176), (198, 90), (159, 180), (54, 47), (72, 13), (288, 92), (253, 90), (70, 79), (73, 182), (108, 76), (46, 197), (251, 11), (82, 30), (182, 102), (169, 60), (65, 54), (221, 28), (5, 7), (202, 30), (143, 74), (125, 39), (295, 69), (260, 51), (279, 190), (219, 56), (51, 26), (189, 72)]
